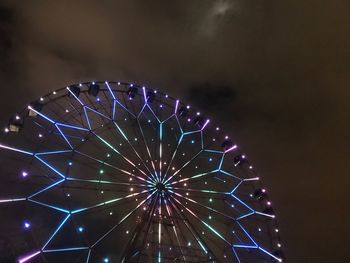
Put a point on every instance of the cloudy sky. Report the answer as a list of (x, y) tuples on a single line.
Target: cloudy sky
[(275, 73)]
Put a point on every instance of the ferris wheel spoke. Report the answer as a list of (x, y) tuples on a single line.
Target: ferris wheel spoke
[(147, 147), (133, 148), (203, 222), (160, 149), (174, 228), (201, 190), (204, 206), (123, 219), (204, 246), (125, 158), (113, 167), (137, 231), (105, 182), (182, 167), (109, 202), (173, 154), (193, 177)]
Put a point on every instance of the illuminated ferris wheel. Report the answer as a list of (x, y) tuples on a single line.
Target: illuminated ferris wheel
[(114, 172)]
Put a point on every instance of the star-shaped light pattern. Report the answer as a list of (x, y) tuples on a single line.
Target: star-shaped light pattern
[(114, 172)]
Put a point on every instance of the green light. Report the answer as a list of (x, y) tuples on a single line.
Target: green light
[(101, 171)]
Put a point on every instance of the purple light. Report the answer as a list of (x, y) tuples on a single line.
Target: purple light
[(24, 174)]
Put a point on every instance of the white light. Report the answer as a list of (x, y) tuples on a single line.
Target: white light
[(127, 231), (131, 189), (279, 245), (40, 135), (276, 230), (41, 99), (54, 93), (67, 110), (6, 130), (17, 117)]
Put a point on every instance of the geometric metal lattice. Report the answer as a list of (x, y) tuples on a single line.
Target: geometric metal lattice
[(114, 172)]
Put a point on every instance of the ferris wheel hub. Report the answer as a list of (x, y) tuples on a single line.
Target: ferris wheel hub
[(160, 187)]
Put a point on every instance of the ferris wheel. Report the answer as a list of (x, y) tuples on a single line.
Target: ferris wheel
[(115, 172)]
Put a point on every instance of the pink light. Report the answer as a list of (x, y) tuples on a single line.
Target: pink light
[(176, 106), (232, 148), (26, 258), (205, 124)]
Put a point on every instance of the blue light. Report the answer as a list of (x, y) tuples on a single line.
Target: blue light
[(106, 260), (80, 229)]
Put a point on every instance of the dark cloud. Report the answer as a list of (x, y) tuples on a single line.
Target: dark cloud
[(274, 73)]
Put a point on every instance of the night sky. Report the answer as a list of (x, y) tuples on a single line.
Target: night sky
[(274, 73)]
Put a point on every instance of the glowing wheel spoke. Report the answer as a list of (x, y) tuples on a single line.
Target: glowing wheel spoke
[(182, 167), (109, 202), (123, 219), (132, 147), (204, 206), (203, 222), (113, 167), (126, 159), (147, 148)]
